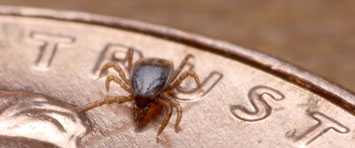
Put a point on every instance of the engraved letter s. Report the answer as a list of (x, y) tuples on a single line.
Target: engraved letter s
[(261, 109)]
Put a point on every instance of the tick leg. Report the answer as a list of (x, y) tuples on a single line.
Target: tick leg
[(178, 107), (118, 81), (167, 115), (183, 63), (117, 68), (106, 100), (183, 76)]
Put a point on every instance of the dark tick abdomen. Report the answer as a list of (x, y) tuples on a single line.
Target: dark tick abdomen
[(149, 78)]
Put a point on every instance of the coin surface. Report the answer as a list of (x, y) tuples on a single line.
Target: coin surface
[(253, 100)]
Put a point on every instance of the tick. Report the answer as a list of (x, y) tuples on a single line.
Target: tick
[(151, 84)]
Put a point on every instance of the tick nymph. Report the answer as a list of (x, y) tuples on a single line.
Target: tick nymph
[(149, 78), (151, 84)]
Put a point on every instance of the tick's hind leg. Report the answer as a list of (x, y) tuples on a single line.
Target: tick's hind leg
[(167, 115), (106, 100), (178, 114)]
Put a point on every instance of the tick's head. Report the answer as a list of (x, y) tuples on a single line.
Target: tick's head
[(142, 116), (143, 101)]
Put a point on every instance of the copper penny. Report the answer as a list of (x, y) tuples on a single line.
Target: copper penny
[(49, 66)]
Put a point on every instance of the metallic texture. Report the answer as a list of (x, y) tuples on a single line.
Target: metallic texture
[(257, 100)]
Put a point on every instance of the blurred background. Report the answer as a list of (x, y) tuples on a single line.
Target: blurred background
[(318, 35)]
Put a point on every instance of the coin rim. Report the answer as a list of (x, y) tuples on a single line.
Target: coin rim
[(267, 63)]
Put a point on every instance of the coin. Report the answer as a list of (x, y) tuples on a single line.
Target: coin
[(253, 100)]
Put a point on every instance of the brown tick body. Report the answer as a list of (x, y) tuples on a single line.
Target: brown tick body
[(151, 83)]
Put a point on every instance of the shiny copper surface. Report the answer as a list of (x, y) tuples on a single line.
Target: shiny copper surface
[(260, 101)]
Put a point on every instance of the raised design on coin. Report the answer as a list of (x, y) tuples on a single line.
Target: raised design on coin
[(49, 46), (207, 123), (261, 109), (29, 119), (314, 132)]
